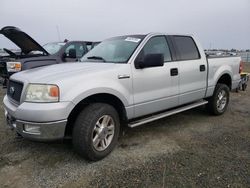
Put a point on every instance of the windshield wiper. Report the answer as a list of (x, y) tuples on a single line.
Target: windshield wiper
[(96, 57)]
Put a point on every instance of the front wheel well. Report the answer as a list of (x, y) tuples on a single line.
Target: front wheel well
[(97, 98), (225, 79)]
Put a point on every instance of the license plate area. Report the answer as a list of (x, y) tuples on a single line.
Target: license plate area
[(11, 122)]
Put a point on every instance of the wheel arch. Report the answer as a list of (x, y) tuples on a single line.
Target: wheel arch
[(226, 79), (107, 98)]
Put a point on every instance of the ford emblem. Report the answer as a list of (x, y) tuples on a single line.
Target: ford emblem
[(12, 90)]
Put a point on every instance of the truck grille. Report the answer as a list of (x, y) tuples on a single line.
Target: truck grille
[(14, 90)]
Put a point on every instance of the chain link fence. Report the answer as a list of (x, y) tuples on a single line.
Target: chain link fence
[(245, 56)]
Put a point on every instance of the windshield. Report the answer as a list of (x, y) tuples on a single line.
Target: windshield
[(114, 50), (54, 47)]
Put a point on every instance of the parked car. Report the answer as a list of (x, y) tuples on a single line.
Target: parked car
[(34, 55), (126, 80)]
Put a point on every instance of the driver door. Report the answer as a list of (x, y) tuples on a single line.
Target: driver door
[(155, 88)]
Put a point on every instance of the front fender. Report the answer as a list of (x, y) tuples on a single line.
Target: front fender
[(100, 90), (122, 89)]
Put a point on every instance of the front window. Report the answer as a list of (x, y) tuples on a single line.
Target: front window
[(114, 50), (157, 45), (53, 48)]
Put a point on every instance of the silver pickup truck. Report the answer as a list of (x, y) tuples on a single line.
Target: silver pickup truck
[(126, 80)]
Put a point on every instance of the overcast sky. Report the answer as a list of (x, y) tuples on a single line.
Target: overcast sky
[(217, 23)]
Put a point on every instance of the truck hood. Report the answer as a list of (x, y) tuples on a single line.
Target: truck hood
[(22, 40), (57, 73)]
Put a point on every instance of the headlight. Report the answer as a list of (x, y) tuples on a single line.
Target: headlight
[(14, 66), (42, 93)]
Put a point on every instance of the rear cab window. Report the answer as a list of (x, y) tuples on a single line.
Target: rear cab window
[(186, 48)]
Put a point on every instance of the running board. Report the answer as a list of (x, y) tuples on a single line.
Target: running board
[(166, 114)]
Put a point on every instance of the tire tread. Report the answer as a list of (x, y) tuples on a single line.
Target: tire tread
[(83, 127)]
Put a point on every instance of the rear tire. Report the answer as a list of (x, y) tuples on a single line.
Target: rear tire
[(244, 87), (96, 131), (218, 103)]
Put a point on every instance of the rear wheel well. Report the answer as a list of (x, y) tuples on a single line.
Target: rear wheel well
[(226, 79), (97, 98)]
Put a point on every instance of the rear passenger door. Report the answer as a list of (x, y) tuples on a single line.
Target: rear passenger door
[(192, 70)]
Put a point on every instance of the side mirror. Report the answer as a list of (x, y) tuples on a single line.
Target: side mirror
[(72, 53), (150, 60)]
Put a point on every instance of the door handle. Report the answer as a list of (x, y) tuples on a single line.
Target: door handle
[(202, 68), (123, 76), (174, 72)]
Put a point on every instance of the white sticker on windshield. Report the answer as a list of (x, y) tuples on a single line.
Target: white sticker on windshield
[(132, 39)]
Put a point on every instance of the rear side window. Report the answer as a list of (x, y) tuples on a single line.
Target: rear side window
[(186, 47)]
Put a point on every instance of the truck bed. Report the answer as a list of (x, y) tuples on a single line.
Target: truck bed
[(223, 65)]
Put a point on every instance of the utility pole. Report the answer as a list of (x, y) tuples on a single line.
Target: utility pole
[(247, 57), (58, 33)]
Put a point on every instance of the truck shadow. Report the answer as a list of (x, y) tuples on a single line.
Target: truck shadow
[(53, 153)]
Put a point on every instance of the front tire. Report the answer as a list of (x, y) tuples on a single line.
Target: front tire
[(218, 103), (96, 131)]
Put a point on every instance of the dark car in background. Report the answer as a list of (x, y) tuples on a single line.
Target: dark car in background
[(33, 55)]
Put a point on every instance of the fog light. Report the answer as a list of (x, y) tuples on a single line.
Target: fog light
[(5, 113), (13, 125), (32, 129)]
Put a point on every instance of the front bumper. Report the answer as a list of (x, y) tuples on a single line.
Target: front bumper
[(48, 120), (46, 131)]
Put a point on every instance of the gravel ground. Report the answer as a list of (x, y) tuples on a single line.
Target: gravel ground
[(191, 149)]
